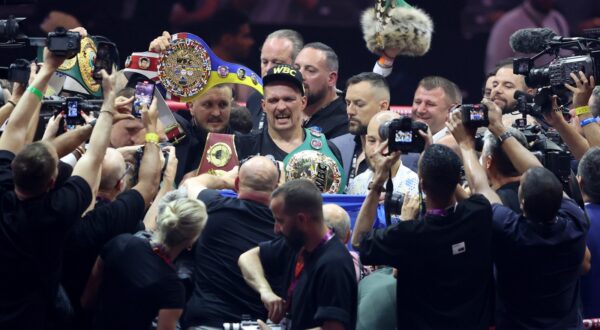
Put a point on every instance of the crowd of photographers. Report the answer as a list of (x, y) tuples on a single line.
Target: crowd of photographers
[(490, 208)]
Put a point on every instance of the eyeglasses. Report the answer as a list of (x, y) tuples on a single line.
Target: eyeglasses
[(270, 157)]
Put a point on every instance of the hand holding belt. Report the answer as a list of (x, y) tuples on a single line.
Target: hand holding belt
[(188, 68), (146, 63), (219, 154)]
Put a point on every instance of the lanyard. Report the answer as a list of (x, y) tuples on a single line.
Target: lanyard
[(299, 267), (159, 250)]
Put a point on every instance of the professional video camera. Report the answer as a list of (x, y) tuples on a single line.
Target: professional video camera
[(550, 79), (403, 134), (60, 42)]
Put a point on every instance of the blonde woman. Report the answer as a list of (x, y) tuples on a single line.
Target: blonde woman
[(134, 280)]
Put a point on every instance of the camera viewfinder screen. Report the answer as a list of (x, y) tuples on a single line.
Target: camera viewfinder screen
[(403, 137), (72, 109), (476, 114), (143, 93)]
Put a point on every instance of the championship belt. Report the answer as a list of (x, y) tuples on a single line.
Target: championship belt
[(75, 74), (219, 154), (188, 68), (146, 63), (315, 161), (396, 24)]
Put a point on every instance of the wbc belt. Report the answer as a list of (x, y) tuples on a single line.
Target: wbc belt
[(146, 63), (188, 68), (219, 154), (315, 161)]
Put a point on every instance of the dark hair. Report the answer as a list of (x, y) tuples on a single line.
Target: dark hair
[(439, 169), (491, 146), (541, 194), (300, 196), (240, 119), (375, 79), (330, 55), (226, 21), (589, 171), (450, 89), (33, 168)]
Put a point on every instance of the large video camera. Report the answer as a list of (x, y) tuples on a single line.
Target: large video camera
[(60, 42), (550, 79), (403, 134)]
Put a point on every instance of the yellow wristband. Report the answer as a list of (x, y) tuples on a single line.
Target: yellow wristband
[(584, 110), (152, 137), (35, 92)]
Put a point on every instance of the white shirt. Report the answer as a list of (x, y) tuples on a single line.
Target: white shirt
[(405, 181)]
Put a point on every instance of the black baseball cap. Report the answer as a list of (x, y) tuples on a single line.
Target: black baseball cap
[(284, 72)]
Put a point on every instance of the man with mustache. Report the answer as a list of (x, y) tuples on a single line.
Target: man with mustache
[(283, 103), (209, 114)]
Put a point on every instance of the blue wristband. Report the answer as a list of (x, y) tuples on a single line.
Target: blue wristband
[(588, 121)]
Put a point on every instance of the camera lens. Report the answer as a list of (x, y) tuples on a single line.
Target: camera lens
[(384, 130), (538, 77)]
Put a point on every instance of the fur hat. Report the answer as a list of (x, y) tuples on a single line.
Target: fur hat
[(407, 28)]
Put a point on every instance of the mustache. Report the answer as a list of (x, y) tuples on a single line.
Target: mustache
[(214, 120)]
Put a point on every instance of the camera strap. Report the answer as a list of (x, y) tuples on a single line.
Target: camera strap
[(389, 190)]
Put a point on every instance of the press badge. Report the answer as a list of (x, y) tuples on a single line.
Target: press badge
[(458, 248)]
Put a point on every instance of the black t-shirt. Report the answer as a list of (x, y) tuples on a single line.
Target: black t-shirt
[(261, 143), (220, 292), (32, 233), (538, 269), (189, 151), (136, 285), (88, 236), (509, 194), (444, 267), (326, 289), (332, 119)]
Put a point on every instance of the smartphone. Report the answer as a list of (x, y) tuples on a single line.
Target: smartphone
[(73, 116), (144, 92), (105, 59)]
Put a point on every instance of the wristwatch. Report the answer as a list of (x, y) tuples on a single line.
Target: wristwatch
[(379, 189), (504, 136)]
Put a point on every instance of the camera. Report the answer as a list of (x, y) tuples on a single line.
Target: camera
[(558, 72), (19, 71), (139, 154), (403, 134), (393, 203), (64, 43), (475, 115), (9, 29)]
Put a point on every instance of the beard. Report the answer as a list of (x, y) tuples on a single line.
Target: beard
[(357, 129), (314, 97), (295, 239)]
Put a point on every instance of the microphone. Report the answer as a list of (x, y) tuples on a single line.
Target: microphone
[(530, 41)]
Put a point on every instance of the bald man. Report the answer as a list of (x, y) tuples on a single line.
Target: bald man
[(338, 220), (234, 226), (404, 179)]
